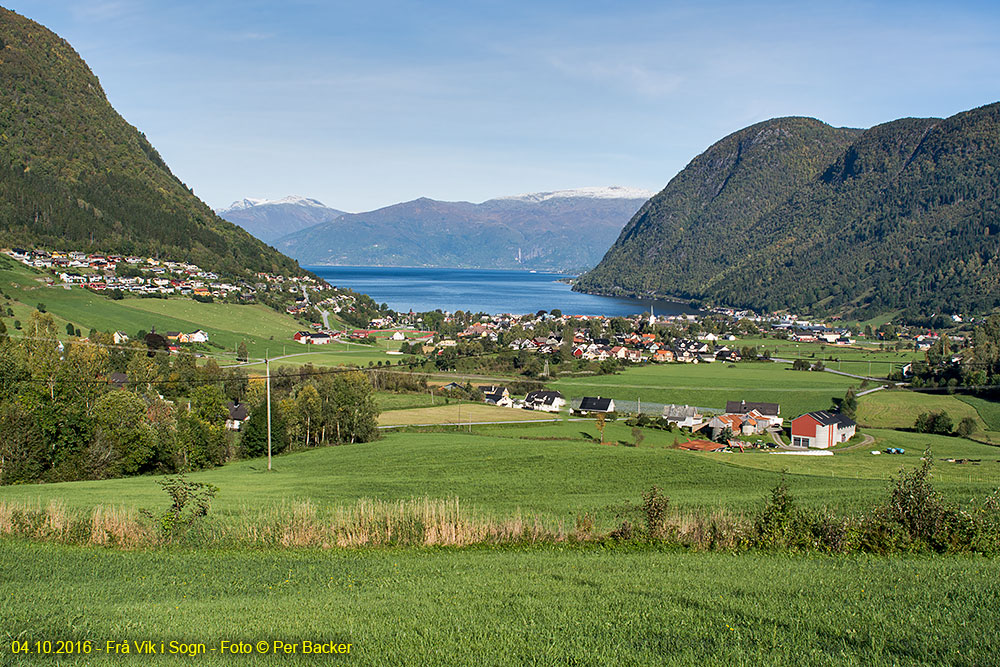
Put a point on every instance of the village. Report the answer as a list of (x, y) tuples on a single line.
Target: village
[(148, 276)]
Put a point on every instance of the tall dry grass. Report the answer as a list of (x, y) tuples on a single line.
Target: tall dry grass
[(104, 526), (367, 522)]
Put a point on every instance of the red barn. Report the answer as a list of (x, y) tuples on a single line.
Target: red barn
[(822, 429)]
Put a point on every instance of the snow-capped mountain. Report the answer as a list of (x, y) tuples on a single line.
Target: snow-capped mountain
[(611, 192), (269, 219), (567, 230), (250, 202)]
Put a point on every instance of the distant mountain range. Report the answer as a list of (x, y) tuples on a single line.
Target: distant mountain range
[(270, 219), (795, 214), (75, 175), (566, 230)]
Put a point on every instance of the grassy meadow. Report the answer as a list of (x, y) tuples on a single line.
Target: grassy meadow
[(532, 605), (899, 409), (711, 385), (555, 471)]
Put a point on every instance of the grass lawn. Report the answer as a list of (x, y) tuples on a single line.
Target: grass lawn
[(543, 605), (899, 409), (711, 385)]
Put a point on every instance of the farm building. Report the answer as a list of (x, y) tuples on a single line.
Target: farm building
[(822, 429), (702, 446)]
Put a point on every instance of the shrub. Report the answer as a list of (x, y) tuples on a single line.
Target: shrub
[(654, 509), (189, 501), (934, 422), (776, 525), (967, 427), (918, 509)]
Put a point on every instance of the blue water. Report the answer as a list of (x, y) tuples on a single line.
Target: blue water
[(481, 290)]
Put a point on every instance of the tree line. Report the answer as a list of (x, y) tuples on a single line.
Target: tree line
[(90, 409)]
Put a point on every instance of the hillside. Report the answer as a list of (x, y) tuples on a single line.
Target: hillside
[(792, 213), (559, 231), (269, 220), (75, 175)]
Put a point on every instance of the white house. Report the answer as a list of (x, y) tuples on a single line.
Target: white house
[(546, 401)]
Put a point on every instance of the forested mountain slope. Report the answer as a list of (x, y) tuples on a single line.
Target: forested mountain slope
[(792, 213), (75, 174)]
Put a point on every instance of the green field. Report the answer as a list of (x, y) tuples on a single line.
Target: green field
[(711, 385), (518, 604), (859, 359), (390, 401), (899, 409), (331, 354), (989, 411), (554, 470), (543, 605)]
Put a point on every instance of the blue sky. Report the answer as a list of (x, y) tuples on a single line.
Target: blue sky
[(365, 104)]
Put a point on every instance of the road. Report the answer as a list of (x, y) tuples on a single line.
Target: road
[(867, 442), (326, 317), (520, 421)]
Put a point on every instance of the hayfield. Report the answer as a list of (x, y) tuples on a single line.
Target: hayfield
[(899, 409), (535, 605), (458, 413)]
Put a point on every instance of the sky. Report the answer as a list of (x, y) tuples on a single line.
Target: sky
[(365, 104)]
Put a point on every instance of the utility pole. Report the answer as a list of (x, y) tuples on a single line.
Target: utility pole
[(267, 378)]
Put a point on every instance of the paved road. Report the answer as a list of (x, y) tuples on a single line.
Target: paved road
[(326, 317)]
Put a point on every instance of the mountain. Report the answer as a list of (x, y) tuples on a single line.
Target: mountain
[(75, 175), (794, 214), (566, 230), (270, 219)]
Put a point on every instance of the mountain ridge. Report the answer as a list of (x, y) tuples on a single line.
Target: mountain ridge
[(561, 231), (75, 175), (900, 216)]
